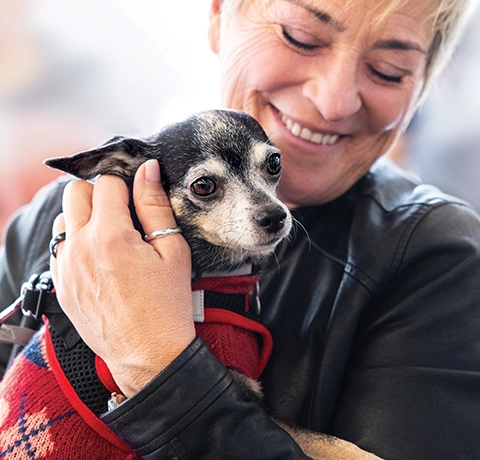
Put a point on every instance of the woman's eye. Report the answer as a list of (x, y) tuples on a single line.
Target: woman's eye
[(386, 77), (274, 164), (293, 37), (204, 186)]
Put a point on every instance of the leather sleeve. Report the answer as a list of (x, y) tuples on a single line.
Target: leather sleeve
[(412, 386), (194, 410), (26, 239), (25, 250)]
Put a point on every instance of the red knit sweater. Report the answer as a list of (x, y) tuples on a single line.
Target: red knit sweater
[(42, 418)]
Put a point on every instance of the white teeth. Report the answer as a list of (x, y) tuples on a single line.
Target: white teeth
[(305, 133), (328, 139), (296, 129)]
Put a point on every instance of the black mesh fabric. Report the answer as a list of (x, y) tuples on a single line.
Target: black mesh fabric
[(232, 302), (78, 364), (78, 360)]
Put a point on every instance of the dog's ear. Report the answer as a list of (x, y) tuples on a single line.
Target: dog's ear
[(120, 156)]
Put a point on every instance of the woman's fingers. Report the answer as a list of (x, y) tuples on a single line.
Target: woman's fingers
[(153, 209), (58, 225), (77, 205), (151, 202), (57, 228), (77, 199), (110, 201)]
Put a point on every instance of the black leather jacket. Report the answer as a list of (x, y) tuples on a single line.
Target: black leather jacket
[(375, 317)]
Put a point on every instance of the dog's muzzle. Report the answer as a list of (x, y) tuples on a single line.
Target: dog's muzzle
[(271, 220)]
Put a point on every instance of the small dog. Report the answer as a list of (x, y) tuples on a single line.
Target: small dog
[(220, 172)]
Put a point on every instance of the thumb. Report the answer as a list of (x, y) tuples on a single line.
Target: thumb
[(151, 202)]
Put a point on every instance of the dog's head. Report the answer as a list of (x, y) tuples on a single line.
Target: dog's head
[(220, 172)]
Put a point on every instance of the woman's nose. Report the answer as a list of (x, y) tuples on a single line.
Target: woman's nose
[(333, 89)]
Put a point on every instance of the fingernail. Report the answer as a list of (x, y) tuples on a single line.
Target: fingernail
[(152, 171)]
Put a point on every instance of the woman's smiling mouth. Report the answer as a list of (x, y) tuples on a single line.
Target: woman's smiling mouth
[(304, 133)]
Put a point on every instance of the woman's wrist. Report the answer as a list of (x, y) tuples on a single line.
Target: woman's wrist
[(131, 375)]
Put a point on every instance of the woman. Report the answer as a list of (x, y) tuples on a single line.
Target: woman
[(375, 316)]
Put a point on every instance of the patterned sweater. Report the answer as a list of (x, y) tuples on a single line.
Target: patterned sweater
[(42, 418)]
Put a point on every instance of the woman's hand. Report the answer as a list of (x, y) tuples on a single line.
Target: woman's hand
[(130, 301)]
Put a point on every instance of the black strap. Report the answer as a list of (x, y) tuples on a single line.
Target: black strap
[(232, 302), (15, 335), (41, 300)]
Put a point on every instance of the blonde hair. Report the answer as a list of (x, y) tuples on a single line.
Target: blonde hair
[(449, 22), (449, 18)]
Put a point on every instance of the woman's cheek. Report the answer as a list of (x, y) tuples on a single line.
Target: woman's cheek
[(389, 107)]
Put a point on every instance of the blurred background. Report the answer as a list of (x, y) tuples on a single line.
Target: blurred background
[(73, 73), (442, 144)]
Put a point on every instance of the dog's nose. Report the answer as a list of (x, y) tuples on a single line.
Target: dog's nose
[(272, 220)]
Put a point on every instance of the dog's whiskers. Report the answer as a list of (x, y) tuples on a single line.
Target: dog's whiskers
[(272, 137), (297, 224), (274, 255), (227, 230)]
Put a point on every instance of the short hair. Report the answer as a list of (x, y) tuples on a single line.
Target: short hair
[(449, 18), (449, 23)]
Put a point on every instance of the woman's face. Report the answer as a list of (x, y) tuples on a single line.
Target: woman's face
[(331, 86)]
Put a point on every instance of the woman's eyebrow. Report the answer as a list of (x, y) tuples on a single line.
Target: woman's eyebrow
[(399, 45), (320, 15), (381, 44)]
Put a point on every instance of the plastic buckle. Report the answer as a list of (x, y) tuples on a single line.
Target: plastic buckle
[(18, 304), (34, 291)]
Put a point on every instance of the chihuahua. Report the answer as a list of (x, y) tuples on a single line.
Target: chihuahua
[(220, 172)]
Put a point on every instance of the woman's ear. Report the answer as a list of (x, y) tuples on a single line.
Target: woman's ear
[(214, 25)]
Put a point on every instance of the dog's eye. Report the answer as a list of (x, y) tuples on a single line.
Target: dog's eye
[(274, 164), (203, 186)]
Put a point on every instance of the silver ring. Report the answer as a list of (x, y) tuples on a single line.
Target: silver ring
[(54, 242), (161, 233)]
